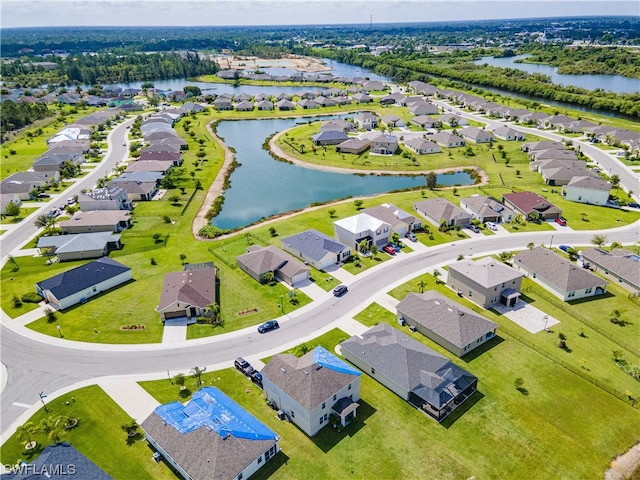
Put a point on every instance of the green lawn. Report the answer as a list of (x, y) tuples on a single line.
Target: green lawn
[(374, 314), (24, 213), (99, 427), (538, 436)]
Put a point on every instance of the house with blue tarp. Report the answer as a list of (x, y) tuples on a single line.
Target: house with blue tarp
[(311, 388), (211, 436)]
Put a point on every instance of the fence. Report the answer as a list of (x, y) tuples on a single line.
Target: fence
[(222, 259)]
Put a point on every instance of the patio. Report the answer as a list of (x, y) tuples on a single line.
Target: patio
[(527, 316)]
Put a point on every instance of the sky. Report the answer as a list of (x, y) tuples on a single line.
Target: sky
[(40, 13)]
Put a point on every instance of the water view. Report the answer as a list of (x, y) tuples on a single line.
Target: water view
[(263, 186)]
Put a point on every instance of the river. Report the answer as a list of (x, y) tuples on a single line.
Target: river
[(610, 83), (263, 186)]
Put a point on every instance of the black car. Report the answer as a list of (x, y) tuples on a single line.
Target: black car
[(340, 290), (633, 205), (268, 326), (256, 377), (244, 366)]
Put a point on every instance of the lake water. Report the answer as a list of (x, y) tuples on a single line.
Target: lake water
[(263, 186), (612, 83)]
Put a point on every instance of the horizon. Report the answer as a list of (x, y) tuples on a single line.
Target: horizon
[(271, 13)]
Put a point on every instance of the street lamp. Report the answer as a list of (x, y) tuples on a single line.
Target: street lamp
[(282, 303), (59, 330)]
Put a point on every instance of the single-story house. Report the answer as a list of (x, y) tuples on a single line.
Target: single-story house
[(384, 144), (587, 189), (285, 104), (362, 97), (52, 162), (222, 103), (307, 104), (338, 124), (451, 120), (447, 139), (542, 145), (485, 282), (477, 135), (329, 137), (438, 209), (244, 106), (264, 105), (159, 166), (556, 121), (6, 199), (80, 245), (508, 133), (353, 145), (56, 462), (106, 198), (362, 227), (561, 277), (258, 261), (391, 120), (96, 221), (164, 155), (310, 388), (446, 322), (411, 370), (620, 264), (422, 146), (562, 175), (23, 184), (187, 293), (81, 283), (531, 205), (210, 436), (401, 222), (425, 121), (423, 108), (487, 209), (316, 249)]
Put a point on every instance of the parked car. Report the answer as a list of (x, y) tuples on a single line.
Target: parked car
[(633, 205), (44, 195), (244, 366), (256, 377), (411, 236), (474, 229), (561, 221), (71, 201), (389, 249), (396, 247), (492, 226), (340, 290), (268, 326), (564, 248)]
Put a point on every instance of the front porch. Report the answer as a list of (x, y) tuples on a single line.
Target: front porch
[(345, 409)]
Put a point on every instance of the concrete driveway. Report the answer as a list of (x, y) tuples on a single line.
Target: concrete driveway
[(527, 316)]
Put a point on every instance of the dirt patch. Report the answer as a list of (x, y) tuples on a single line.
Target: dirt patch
[(623, 466), (295, 62)]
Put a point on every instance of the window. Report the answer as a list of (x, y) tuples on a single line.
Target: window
[(94, 289), (349, 388), (386, 229), (240, 476), (588, 290), (325, 417), (373, 371), (571, 294), (334, 397), (259, 459), (321, 420), (293, 414), (378, 232), (323, 405)]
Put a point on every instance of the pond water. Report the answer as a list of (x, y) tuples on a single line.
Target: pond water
[(612, 83), (263, 186)]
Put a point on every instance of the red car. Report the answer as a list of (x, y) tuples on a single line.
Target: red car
[(389, 249), (561, 221)]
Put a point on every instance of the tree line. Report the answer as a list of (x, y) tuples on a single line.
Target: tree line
[(17, 115), (404, 67)]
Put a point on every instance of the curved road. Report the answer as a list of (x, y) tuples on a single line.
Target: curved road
[(37, 362)]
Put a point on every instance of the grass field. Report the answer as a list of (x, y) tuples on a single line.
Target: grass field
[(98, 436)]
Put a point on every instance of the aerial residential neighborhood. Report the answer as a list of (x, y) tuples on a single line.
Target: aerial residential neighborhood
[(376, 248)]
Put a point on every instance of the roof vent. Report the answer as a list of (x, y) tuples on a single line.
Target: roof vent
[(283, 370), (436, 302), (305, 372), (449, 309)]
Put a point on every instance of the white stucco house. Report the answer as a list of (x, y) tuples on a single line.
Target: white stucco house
[(353, 230)]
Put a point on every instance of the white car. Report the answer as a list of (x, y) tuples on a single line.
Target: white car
[(491, 226)]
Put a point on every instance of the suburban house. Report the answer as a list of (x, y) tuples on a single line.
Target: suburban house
[(107, 198), (451, 120), (447, 139), (487, 209), (587, 189), (329, 137), (244, 106), (446, 322), (258, 261), (362, 97), (561, 277), (366, 120), (485, 282), (188, 293), (391, 120), (136, 190), (23, 184), (508, 133), (316, 249), (438, 209), (621, 264), (362, 227), (162, 154), (531, 205), (542, 145), (476, 135), (55, 462), (310, 388), (211, 436), (383, 144), (8, 198), (425, 121), (159, 166), (81, 283), (427, 380), (285, 104), (401, 222), (307, 104), (556, 121), (338, 124), (353, 145), (51, 163), (79, 246), (96, 221), (422, 146), (423, 108)]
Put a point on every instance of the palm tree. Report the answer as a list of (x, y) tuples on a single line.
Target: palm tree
[(24, 435), (615, 181), (363, 247), (421, 284), (50, 426), (436, 274), (196, 373), (374, 250), (131, 427), (269, 278), (212, 310), (615, 245), (599, 240)]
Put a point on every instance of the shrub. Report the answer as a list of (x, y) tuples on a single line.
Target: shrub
[(17, 303), (31, 297)]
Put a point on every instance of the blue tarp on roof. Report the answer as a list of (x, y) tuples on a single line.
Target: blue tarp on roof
[(211, 408), (324, 358)]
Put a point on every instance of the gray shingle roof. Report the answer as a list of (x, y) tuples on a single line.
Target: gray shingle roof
[(487, 272), (439, 208), (557, 271), (486, 206), (304, 380), (313, 244), (446, 318), (591, 182), (390, 214), (191, 287), (80, 242), (269, 259), (620, 262)]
